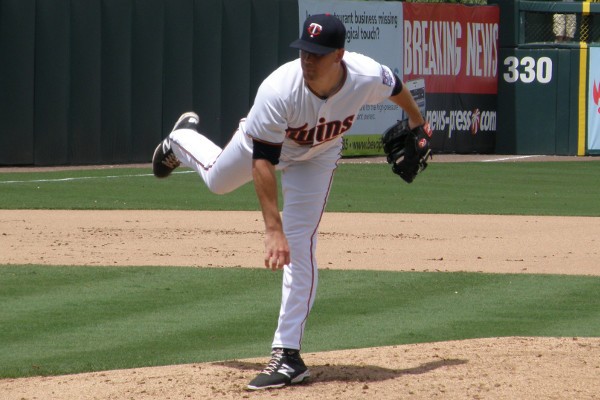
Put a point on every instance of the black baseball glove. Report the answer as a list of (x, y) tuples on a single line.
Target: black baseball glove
[(407, 149)]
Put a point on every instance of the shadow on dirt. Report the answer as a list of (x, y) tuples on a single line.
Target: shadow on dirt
[(354, 373)]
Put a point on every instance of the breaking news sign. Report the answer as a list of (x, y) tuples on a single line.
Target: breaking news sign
[(454, 49)]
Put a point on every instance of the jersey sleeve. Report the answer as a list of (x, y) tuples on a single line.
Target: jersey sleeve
[(383, 85), (388, 79), (267, 119), (378, 79)]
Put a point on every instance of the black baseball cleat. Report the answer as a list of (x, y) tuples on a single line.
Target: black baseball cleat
[(188, 120), (285, 368), (164, 161)]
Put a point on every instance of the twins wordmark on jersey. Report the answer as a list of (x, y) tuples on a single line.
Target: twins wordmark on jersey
[(323, 132)]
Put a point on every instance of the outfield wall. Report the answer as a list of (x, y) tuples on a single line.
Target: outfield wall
[(548, 86), (102, 81)]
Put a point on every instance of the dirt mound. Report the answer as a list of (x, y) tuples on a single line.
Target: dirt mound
[(497, 368)]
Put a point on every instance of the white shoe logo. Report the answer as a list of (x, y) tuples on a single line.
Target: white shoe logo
[(286, 370)]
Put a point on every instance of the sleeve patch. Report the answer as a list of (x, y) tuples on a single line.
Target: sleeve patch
[(387, 78)]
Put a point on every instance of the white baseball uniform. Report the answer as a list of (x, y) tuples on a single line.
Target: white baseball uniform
[(311, 128)]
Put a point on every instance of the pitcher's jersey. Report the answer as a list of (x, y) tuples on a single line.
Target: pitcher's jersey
[(286, 111)]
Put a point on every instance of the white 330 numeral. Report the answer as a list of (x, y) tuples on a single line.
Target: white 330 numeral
[(529, 70)]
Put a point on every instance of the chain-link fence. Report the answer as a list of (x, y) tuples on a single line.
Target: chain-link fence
[(558, 22)]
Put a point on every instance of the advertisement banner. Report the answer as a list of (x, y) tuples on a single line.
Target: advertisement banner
[(375, 29), (593, 112), (453, 49)]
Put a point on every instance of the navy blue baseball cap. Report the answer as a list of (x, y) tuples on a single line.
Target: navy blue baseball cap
[(321, 34)]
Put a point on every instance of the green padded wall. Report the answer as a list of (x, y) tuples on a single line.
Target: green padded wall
[(103, 81)]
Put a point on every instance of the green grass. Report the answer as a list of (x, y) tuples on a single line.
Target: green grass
[(57, 320), (116, 189), (70, 319), (569, 188), (545, 188)]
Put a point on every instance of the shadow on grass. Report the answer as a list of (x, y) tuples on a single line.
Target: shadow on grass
[(353, 373)]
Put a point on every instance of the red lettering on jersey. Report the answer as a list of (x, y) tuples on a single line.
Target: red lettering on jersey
[(347, 124), (332, 130), (323, 132), (299, 135)]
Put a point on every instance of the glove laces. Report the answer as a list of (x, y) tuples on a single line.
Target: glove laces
[(171, 161)]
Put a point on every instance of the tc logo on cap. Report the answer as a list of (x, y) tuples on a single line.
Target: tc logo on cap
[(314, 29)]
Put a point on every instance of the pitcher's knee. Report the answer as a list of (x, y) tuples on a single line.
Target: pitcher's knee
[(219, 187)]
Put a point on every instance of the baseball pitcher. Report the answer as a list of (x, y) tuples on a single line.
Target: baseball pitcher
[(296, 124)]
